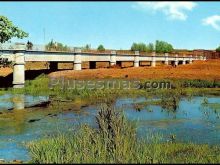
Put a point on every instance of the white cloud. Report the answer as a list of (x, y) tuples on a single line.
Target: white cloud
[(173, 10), (212, 21)]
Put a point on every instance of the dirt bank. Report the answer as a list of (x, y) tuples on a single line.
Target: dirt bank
[(208, 70)]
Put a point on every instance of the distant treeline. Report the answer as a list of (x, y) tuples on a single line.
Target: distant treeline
[(159, 47)]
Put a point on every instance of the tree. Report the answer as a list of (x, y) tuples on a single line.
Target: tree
[(139, 47), (218, 49), (134, 47), (150, 47), (56, 46), (50, 46), (87, 47), (163, 47), (9, 31), (100, 48)]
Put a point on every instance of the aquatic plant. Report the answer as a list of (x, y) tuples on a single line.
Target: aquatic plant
[(115, 141), (170, 100), (205, 101), (138, 107)]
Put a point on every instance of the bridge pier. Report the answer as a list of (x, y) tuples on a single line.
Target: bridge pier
[(77, 60), (153, 62), (166, 62), (176, 60), (184, 62), (92, 65), (201, 57), (19, 67), (136, 59), (113, 58), (190, 60)]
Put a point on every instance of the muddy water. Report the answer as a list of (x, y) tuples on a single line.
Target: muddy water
[(193, 121)]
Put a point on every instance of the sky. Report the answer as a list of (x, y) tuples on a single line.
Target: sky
[(116, 25)]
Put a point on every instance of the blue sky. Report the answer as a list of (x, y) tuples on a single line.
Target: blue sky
[(117, 25)]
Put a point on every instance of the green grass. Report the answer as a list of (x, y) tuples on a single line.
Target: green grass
[(169, 97), (115, 141)]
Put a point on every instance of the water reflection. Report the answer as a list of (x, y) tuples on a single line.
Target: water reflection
[(189, 122), (20, 101)]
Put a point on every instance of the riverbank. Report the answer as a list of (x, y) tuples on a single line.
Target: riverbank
[(204, 70), (77, 105)]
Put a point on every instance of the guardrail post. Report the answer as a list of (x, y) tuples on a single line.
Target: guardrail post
[(153, 62), (136, 59), (19, 66), (77, 59), (166, 59), (113, 58)]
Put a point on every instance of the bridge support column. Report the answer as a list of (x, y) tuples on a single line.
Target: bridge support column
[(166, 59), (92, 65), (77, 60), (201, 57), (136, 59), (153, 62), (113, 58), (19, 67), (176, 60), (184, 60), (53, 66), (190, 60)]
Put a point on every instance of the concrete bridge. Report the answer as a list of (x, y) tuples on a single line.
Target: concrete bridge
[(19, 56)]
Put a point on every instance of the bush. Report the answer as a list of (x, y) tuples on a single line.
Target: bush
[(197, 83)]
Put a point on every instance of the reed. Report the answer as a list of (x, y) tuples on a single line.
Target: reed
[(114, 140)]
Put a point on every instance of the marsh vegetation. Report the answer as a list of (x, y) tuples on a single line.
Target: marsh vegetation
[(117, 136), (115, 141)]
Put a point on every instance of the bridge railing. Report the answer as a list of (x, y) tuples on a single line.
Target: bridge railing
[(38, 47)]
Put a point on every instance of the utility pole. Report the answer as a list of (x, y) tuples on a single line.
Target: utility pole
[(44, 34)]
